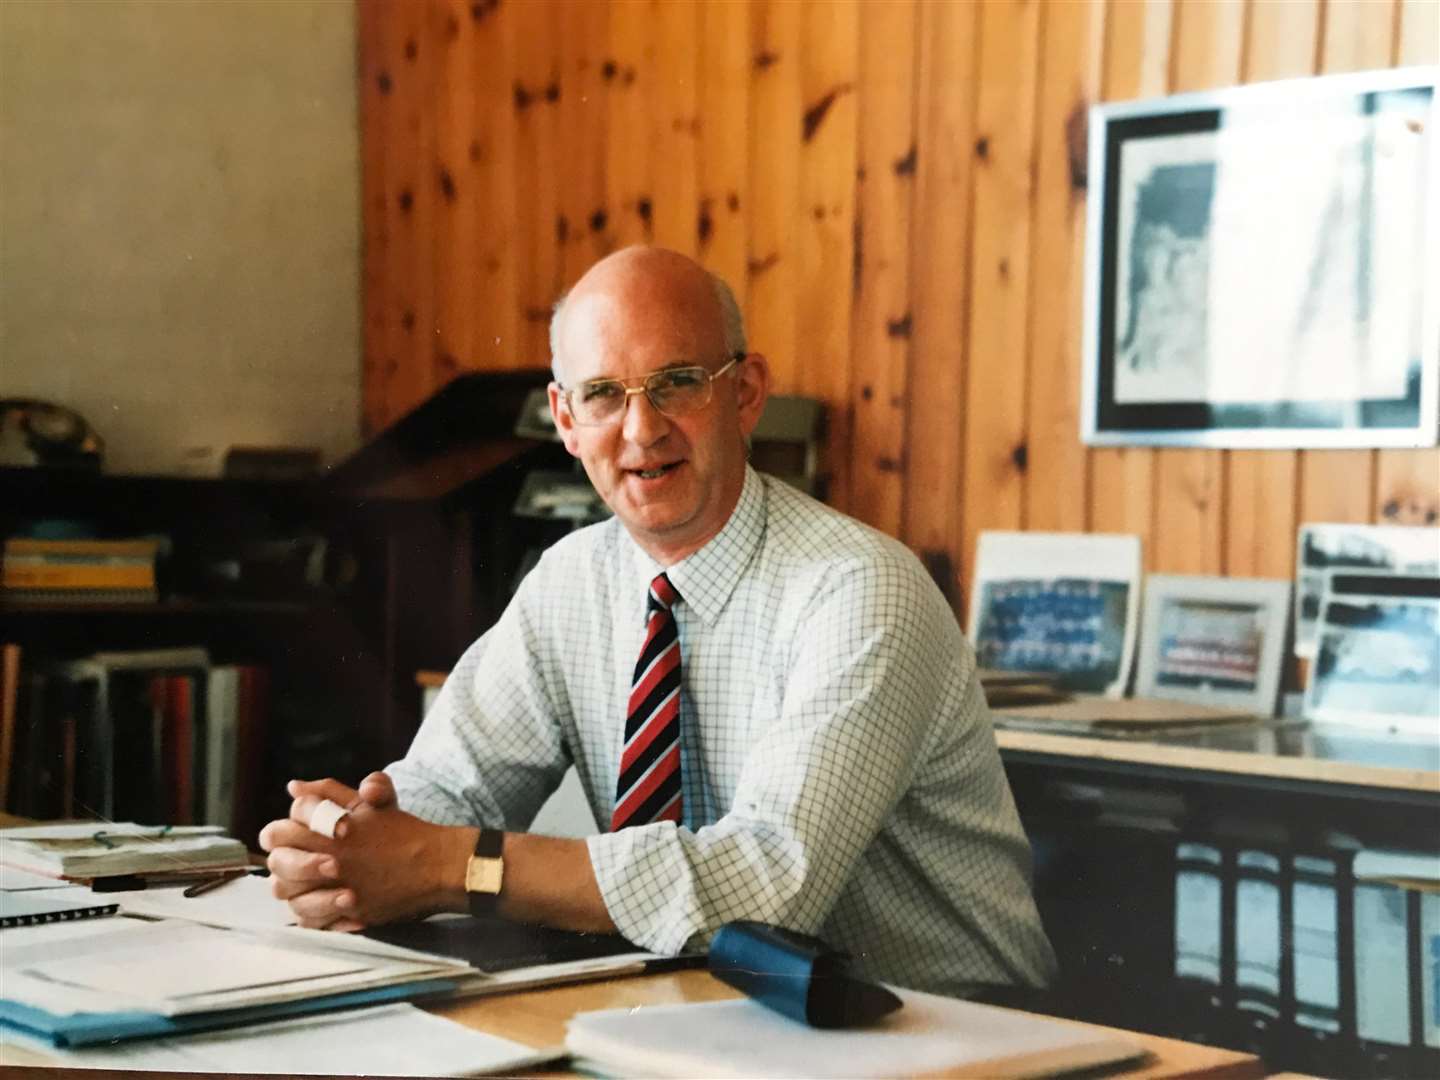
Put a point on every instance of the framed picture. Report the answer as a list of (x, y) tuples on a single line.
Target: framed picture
[(1377, 661), (1262, 266), (1213, 641), (1061, 604), (1323, 549)]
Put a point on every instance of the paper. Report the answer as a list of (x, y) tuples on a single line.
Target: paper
[(392, 1040), (14, 879), (1102, 712), (929, 1035), (245, 902), (191, 965)]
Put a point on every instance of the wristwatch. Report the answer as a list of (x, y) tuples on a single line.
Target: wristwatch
[(485, 872)]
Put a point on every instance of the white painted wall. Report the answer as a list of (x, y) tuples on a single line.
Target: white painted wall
[(179, 223)]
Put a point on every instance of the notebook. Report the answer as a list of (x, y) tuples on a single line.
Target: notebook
[(39, 906)]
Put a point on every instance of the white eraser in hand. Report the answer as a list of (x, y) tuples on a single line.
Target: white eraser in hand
[(326, 816)]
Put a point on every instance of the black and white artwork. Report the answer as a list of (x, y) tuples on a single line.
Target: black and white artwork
[(1324, 549), (1258, 266), (1377, 660)]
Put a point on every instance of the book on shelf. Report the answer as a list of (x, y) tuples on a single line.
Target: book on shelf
[(86, 850), (146, 735), (80, 570)]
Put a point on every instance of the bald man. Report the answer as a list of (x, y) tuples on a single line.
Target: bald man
[(770, 703)]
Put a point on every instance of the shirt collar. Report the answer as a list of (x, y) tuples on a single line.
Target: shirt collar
[(706, 578)]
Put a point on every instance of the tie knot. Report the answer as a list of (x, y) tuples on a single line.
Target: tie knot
[(662, 594)]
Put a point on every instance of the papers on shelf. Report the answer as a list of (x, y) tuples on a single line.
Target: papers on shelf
[(1087, 715), (392, 1040), (928, 1035), (1407, 869)]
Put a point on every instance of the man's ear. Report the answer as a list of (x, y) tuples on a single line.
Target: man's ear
[(564, 422), (752, 390)]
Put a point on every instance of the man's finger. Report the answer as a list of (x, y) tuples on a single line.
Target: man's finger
[(321, 907), (288, 833), (293, 871), (333, 790), (378, 790)]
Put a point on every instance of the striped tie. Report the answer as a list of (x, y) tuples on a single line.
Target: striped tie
[(649, 787)]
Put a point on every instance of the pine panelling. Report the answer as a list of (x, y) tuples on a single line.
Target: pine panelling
[(675, 125), (539, 164), (1137, 62), (1339, 485), (1260, 485), (459, 199), (993, 477), (720, 218), (580, 230), (376, 286), (506, 145), (1056, 488), (882, 319), (407, 149), (829, 129), (495, 295), (773, 256), (629, 76), (939, 285)]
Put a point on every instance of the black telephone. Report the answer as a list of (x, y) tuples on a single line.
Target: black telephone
[(34, 432)]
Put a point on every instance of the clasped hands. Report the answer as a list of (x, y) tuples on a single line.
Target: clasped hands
[(382, 865)]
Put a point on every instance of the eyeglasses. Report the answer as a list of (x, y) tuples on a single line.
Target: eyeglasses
[(673, 391)]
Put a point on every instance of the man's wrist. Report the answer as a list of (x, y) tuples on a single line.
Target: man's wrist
[(450, 887)]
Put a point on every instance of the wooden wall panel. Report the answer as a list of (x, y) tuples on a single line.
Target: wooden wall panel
[(992, 480), (939, 282), (1057, 490), (773, 256), (826, 232), (893, 191), (881, 322)]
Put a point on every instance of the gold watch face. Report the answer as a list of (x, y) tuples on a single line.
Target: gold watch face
[(483, 875)]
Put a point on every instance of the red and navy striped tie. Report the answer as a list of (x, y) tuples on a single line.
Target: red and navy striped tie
[(649, 787)]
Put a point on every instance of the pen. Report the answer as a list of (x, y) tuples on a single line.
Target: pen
[(202, 887)]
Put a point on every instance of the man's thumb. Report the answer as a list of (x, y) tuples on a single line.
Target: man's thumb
[(378, 790)]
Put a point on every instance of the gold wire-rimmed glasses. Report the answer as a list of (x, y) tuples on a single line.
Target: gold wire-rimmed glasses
[(673, 391)]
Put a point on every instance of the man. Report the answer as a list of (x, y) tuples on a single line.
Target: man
[(803, 740)]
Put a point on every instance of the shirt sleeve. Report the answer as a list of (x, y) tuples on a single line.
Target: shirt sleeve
[(490, 751), (869, 669)]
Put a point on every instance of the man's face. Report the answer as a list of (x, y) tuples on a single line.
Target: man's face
[(671, 480)]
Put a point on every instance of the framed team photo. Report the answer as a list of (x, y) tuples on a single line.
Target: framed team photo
[(1213, 641), (1262, 266)]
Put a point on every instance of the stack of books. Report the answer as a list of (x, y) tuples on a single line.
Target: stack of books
[(80, 571)]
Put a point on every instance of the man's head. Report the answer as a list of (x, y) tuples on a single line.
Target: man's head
[(672, 480)]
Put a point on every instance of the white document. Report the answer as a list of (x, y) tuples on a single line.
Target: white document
[(14, 879), (391, 1040), (245, 902), (928, 1035), (190, 965)]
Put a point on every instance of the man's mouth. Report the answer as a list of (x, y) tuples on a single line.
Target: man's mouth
[(655, 473)]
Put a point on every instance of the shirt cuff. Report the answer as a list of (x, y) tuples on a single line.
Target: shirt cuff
[(647, 885)]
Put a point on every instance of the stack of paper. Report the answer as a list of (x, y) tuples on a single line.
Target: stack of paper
[(927, 1036), (1119, 717), (88, 849)]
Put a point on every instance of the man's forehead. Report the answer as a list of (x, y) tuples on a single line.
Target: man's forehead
[(603, 334)]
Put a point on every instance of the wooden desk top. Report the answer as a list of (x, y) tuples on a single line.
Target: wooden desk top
[(538, 1017)]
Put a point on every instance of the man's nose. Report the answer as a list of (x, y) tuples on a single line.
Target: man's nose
[(643, 423)]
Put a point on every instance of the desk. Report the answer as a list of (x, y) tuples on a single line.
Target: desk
[(538, 1017)]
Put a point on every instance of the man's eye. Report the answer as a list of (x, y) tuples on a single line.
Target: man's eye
[(598, 391), (683, 379)]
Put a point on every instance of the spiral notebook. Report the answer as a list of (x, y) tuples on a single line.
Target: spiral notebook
[(34, 907)]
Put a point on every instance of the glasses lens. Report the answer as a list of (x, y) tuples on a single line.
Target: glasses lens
[(679, 390), (596, 401)]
